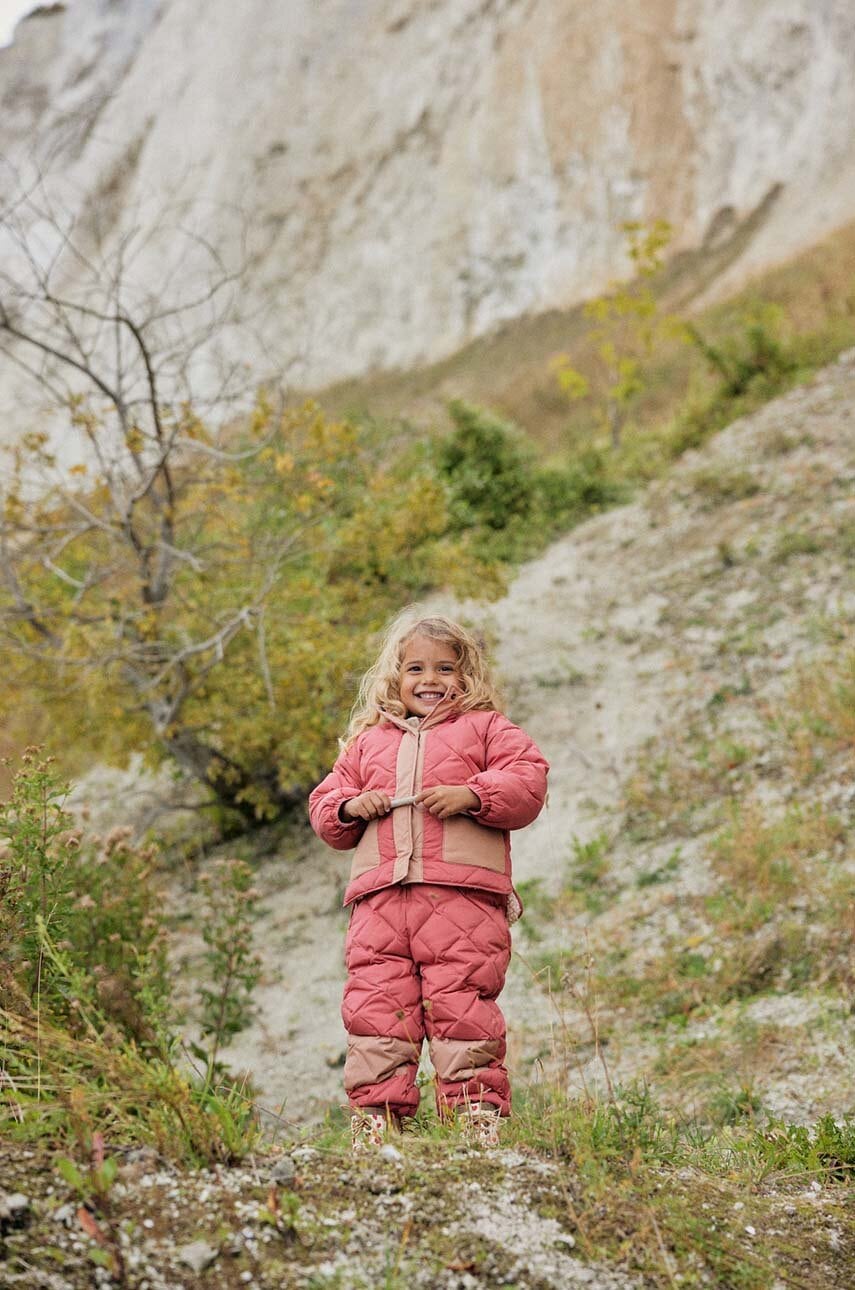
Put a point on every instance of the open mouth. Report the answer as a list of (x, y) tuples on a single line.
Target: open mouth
[(430, 696)]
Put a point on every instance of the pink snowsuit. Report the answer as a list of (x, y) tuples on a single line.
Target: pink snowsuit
[(428, 943)]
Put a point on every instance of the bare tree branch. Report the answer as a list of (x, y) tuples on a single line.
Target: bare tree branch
[(119, 355)]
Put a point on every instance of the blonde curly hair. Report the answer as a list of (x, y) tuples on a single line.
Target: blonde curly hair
[(379, 690)]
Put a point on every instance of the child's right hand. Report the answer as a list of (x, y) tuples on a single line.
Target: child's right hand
[(368, 806)]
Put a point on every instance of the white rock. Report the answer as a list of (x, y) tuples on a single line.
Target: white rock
[(197, 1255)]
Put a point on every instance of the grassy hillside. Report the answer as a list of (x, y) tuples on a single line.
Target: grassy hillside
[(509, 370)]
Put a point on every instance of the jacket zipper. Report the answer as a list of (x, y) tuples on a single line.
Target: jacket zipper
[(414, 790)]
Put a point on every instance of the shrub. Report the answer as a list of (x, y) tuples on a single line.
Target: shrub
[(89, 1049), (487, 468), (564, 495), (233, 966), (88, 897), (723, 483), (501, 499), (754, 354)]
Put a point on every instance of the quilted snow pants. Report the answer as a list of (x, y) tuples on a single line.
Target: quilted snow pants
[(424, 959)]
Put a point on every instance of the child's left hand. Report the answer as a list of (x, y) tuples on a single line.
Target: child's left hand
[(448, 799)]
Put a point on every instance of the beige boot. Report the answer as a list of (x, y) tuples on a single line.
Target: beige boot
[(479, 1123), (369, 1128)]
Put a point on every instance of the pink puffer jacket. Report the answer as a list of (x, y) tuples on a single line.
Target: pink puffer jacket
[(483, 750)]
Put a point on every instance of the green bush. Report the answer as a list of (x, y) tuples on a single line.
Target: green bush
[(755, 354), (89, 1046), (502, 499), (566, 494), (487, 468), (87, 897)]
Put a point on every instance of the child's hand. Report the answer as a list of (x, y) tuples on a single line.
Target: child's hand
[(368, 806), (448, 799)]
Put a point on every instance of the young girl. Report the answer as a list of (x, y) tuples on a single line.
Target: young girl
[(430, 780)]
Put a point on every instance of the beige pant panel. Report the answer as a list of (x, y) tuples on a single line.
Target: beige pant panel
[(372, 1058), (460, 1059)]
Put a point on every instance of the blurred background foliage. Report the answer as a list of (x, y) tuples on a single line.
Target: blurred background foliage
[(292, 554), (294, 546)]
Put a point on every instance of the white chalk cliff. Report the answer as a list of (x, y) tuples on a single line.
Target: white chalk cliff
[(413, 172)]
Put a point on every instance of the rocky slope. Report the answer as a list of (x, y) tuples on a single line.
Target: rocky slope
[(409, 174)]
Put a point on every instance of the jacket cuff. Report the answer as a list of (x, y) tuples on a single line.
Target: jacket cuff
[(482, 792), (343, 819)]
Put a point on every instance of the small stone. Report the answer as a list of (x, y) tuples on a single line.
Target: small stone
[(197, 1255), (283, 1172), (142, 1156), (752, 1231), (388, 1152), (14, 1208), (565, 1239)]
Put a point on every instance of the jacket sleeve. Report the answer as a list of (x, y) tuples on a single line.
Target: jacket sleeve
[(513, 787), (343, 782)]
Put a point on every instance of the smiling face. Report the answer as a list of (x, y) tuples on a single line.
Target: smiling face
[(428, 674)]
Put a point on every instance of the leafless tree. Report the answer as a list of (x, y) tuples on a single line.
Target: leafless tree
[(128, 368)]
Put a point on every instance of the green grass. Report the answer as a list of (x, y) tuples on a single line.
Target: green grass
[(669, 1197), (661, 1195), (662, 873), (794, 543), (720, 484), (774, 913)]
